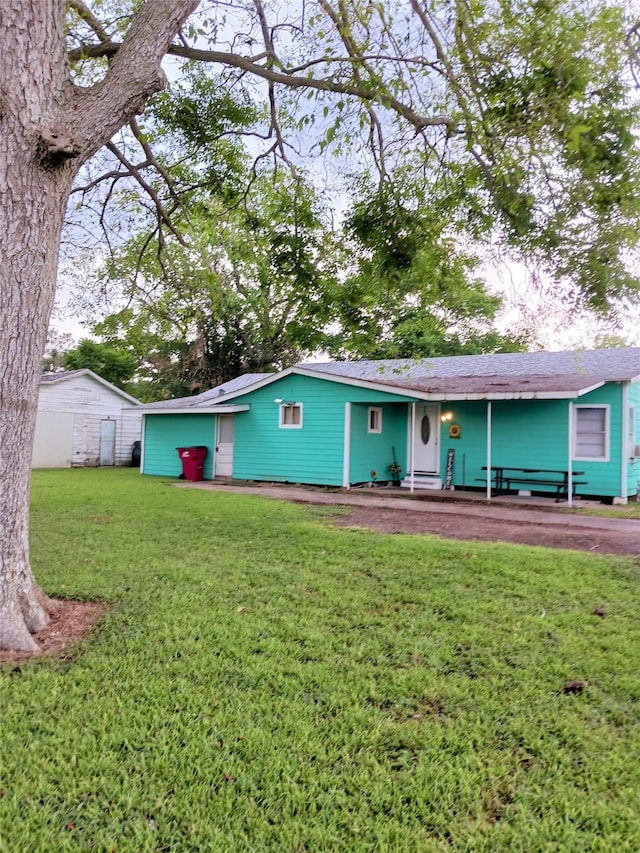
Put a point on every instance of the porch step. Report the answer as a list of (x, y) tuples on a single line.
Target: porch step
[(422, 481)]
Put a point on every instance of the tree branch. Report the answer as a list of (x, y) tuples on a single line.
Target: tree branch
[(292, 81), (85, 14), (89, 117), (162, 213)]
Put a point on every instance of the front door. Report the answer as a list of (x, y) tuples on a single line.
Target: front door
[(426, 455), (224, 446), (107, 442)]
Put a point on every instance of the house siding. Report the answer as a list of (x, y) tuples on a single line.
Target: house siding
[(373, 452), (525, 434), (164, 433), (604, 478), (315, 453), (471, 447), (130, 430)]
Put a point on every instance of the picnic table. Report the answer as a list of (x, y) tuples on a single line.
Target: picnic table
[(502, 477)]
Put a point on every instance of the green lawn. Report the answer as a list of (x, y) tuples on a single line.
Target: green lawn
[(630, 510), (264, 682)]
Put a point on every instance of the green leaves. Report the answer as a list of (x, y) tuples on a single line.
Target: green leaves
[(514, 122), (412, 293), (550, 118), (249, 293), (111, 363)]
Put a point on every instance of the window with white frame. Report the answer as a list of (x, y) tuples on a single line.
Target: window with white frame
[(591, 433), (291, 415), (375, 419)]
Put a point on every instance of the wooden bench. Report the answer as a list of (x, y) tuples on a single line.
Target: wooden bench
[(503, 479)]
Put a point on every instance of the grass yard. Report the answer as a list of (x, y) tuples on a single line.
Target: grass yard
[(264, 682), (630, 510)]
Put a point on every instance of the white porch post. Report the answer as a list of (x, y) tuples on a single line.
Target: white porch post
[(142, 432), (346, 451), (488, 450), (625, 449), (569, 460), (216, 438), (413, 444)]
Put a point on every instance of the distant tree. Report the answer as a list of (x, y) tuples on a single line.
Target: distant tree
[(411, 292), (115, 365), (250, 292), (58, 344)]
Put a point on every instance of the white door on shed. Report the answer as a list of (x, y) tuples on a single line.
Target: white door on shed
[(53, 444), (107, 442), (224, 446)]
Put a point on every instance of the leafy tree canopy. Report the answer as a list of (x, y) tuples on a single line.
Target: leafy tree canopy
[(412, 292), (247, 294), (111, 363), (515, 121)]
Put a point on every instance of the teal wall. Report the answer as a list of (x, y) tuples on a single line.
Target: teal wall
[(605, 478), (470, 448), (531, 434), (314, 454), (374, 451), (163, 433)]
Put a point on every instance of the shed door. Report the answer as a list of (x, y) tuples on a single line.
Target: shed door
[(426, 440), (224, 446), (107, 442), (53, 444)]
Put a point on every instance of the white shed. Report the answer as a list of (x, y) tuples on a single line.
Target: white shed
[(84, 420)]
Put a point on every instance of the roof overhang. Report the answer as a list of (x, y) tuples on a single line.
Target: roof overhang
[(198, 410), (515, 395), (575, 387)]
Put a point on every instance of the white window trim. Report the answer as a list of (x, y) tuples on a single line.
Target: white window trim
[(607, 432), (379, 411), (284, 406)]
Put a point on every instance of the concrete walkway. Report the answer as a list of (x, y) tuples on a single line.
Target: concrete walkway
[(459, 505)]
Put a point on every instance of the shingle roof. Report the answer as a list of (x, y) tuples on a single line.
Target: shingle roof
[(63, 375), (212, 396), (611, 364), (60, 375), (536, 372), (236, 384), (501, 376)]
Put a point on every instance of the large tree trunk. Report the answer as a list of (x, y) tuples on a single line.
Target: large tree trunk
[(30, 222), (33, 195), (48, 128)]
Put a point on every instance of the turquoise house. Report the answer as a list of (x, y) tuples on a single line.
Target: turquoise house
[(521, 422)]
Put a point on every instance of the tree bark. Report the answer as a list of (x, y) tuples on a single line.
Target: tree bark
[(48, 128)]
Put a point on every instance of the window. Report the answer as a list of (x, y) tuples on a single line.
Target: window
[(375, 419), (291, 416), (591, 433)]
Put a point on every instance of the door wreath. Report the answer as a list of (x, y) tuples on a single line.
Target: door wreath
[(454, 431)]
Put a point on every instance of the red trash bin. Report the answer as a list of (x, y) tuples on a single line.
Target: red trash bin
[(193, 462)]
